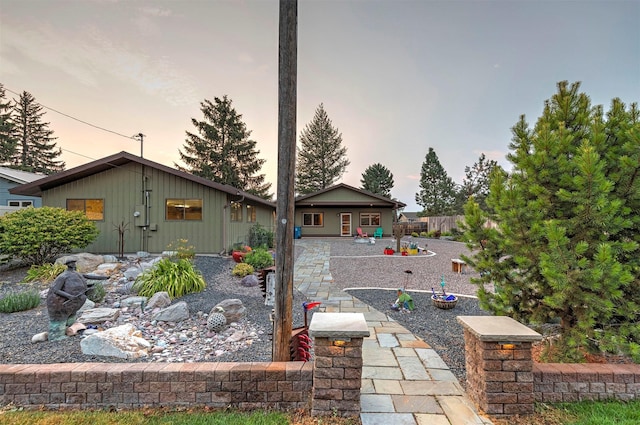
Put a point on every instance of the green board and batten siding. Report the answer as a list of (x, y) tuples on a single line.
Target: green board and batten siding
[(122, 190)]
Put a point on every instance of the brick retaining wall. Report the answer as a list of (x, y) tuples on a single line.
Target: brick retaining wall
[(267, 385), (564, 382)]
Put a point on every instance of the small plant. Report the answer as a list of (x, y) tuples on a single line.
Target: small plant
[(97, 293), (414, 234), (182, 249), (259, 258), (424, 234), (44, 273), (242, 270), (19, 301), (177, 278)]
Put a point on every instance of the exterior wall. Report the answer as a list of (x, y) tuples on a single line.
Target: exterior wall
[(123, 189), (5, 196), (79, 386), (332, 220)]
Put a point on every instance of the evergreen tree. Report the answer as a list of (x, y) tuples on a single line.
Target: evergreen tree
[(476, 183), (7, 140), (566, 246), (222, 151), (35, 147), (377, 179), (437, 194), (321, 158)]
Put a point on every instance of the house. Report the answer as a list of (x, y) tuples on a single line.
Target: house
[(410, 217), (339, 210), (149, 206), (10, 178)]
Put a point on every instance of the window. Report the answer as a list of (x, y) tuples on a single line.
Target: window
[(183, 209), (236, 211), (21, 204), (369, 219), (312, 219), (251, 213), (92, 208)]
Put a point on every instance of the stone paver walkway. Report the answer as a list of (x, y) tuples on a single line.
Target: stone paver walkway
[(404, 381)]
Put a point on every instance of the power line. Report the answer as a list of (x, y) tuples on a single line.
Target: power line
[(77, 119)]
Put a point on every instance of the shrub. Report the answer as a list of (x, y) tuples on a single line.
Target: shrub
[(259, 258), (414, 234), (424, 234), (19, 301), (177, 278), (242, 270), (39, 235), (260, 237), (45, 273), (97, 293)]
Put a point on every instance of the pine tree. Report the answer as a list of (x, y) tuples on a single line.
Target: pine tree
[(377, 179), (222, 151), (566, 246), (35, 149), (476, 183), (321, 158), (437, 194), (7, 140)]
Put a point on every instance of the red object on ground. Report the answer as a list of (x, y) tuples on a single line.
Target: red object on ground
[(238, 256)]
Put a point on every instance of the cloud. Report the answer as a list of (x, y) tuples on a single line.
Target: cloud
[(87, 56)]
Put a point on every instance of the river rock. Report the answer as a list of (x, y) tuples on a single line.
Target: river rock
[(99, 315), (233, 309), (174, 313), (159, 300)]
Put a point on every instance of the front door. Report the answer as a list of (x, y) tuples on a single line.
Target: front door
[(345, 224)]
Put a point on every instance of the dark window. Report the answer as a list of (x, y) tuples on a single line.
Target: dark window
[(312, 219), (369, 219), (236, 211)]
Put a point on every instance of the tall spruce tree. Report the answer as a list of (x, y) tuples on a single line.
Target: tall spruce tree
[(7, 139), (476, 183), (222, 151), (437, 194), (377, 179), (35, 147), (568, 238), (322, 159)]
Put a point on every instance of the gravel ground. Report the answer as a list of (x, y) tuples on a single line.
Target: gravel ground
[(353, 266)]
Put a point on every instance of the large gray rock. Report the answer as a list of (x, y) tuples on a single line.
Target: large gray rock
[(133, 301), (250, 280), (85, 262), (174, 313), (99, 315), (159, 300), (233, 309), (124, 342), (132, 273)]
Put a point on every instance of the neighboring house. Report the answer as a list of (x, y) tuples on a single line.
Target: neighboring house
[(10, 178), (410, 217), (156, 205), (339, 210)]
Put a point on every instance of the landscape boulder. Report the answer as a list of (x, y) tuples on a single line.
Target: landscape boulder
[(124, 342), (233, 309)]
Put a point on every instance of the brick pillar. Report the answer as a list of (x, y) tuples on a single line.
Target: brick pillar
[(337, 374), (499, 364)]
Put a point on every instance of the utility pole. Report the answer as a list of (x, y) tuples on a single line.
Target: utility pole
[(287, 80), (140, 137)]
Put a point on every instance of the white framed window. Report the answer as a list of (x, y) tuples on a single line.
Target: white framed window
[(313, 219), (369, 219), (19, 203)]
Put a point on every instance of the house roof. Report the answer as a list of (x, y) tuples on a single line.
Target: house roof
[(35, 188), (372, 199), (19, 176), (410, 215)]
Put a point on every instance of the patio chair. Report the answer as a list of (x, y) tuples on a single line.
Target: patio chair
[(361, 234), (378, 233)]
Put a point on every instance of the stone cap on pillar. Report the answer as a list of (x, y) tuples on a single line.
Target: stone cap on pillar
[(498, 329), (338, 325)]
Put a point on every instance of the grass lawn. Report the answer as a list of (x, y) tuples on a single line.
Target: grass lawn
[(581, 413), (159, 417)]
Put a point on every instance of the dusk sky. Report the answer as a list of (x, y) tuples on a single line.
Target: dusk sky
[(396, 77)]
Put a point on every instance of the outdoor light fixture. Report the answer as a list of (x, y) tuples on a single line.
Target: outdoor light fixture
[(136, 214), (508, 345), (339, 342)]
